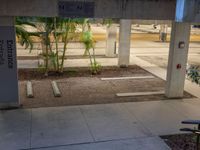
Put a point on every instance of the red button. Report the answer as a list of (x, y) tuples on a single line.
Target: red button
[(178, 66)]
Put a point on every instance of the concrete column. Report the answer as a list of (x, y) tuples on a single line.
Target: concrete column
[(8, 64), (178, 55), (124, 42), (111, 41)]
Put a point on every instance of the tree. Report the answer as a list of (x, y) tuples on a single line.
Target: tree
[(53, 30), (24, 37), (88, 41), (193, 73)]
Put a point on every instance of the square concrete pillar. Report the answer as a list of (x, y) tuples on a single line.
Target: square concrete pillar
[(178, 55), (8, 64), (124, 42), (111, 41)]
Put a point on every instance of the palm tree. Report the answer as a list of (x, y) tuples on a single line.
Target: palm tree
[(69, 33), (53, 30), (24, 37), (88, 41)]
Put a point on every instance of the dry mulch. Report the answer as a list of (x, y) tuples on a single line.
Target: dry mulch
[(181, 141), (79, 87), (38, 74)]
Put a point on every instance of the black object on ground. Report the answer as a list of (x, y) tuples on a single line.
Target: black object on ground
[(194, 131)]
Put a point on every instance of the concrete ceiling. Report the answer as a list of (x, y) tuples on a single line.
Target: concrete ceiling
[(180, 10)]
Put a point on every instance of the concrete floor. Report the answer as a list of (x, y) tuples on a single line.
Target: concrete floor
[(150, 143), (123, 125)]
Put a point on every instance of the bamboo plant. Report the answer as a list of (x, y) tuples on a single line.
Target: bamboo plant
[(88, 41)]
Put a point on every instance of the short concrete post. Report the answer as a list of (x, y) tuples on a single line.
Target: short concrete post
[(111, 41), (8, 64), (163, 33), (177, 62), (124, 42), (56, 90), (29, 89)]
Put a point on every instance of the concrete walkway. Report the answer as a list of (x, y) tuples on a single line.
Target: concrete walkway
[(121, 126), (190, 87)]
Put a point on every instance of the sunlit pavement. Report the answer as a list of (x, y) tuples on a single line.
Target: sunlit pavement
[(138, 48)]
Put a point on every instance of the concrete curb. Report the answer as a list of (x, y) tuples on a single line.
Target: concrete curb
[(128, 78), (139, 94), (29, 89), (56, 90)]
